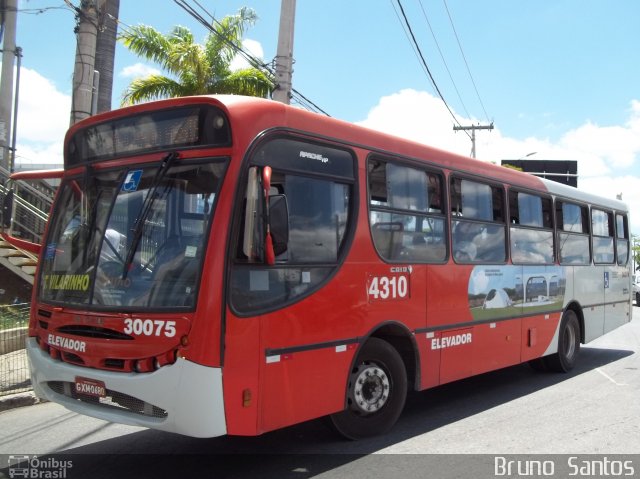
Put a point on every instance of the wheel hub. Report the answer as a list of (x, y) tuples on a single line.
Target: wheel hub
[(371, 388)]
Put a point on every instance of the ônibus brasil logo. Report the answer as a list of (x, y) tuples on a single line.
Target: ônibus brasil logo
[(36, 468)]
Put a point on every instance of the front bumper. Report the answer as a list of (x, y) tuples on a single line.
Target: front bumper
[(185, 397)]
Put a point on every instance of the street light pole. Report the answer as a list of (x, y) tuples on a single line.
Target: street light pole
[(9, 14)]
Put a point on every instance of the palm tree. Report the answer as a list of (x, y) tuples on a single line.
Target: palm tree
[(196, 69)]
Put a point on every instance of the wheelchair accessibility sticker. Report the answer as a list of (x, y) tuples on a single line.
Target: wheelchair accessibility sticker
[(132, 181)]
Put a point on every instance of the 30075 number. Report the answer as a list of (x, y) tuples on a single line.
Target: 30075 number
[(388, 287), (149, 327)]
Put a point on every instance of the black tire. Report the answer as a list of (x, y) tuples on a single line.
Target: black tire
[(637, 299), (568, 344), (376, 392), (539, 364)]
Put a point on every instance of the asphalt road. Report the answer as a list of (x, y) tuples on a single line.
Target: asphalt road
[(595, 409)]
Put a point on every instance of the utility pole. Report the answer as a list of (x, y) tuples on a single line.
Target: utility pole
[(284, 56), (473, 129), (9, 52), (87, 31), (105, 52)]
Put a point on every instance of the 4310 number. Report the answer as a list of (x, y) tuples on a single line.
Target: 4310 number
[(388, 287)]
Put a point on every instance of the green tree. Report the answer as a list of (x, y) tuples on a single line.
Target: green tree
[(635, 251), (194, 69)]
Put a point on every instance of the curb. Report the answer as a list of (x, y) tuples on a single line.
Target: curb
[(18, 400)]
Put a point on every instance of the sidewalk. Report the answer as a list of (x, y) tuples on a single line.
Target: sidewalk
[(14, 376), (18, 400)]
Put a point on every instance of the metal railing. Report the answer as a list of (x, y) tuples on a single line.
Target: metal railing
[(25, 206), (24, 209), (14, 369)]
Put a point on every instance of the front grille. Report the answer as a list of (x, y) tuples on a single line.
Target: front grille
[(113, 400), (93, 332), (71, 358)]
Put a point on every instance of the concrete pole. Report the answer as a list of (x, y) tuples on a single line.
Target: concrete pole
[(473, 129), (9, 15), (105, 52), (82, 92), (284, 56)]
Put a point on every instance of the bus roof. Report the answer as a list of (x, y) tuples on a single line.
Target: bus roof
[(570, 192), (261, 114)]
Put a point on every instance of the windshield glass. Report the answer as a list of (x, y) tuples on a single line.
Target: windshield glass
[(134, 238)]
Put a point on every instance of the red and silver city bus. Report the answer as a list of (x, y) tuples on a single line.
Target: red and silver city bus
[(229, 265)]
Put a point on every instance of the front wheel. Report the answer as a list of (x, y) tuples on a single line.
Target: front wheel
[(568, 344), (376, 392)]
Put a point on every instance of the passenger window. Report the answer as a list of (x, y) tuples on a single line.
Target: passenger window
[(602, 229), (531, 228), (572, 218), (406, 215), (573, 233), (308, 215), (477, 226), (622, 241)]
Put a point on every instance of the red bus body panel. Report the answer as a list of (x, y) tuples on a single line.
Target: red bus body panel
[(293, 364)]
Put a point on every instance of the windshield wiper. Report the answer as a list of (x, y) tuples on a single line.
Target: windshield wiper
[(146, 208)]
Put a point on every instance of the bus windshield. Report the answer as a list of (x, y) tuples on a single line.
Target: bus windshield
[(131, 238)]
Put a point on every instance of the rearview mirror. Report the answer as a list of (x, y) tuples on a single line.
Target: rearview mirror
[(279, 223)]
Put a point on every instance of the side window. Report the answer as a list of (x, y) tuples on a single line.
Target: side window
[(318, 213), (298, 197), (573, 233), (406, 213), (602, 229), (478, 230), (622, 239), (531, 228)]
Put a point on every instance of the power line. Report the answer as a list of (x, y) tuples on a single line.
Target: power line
[(465, 59), (411, 43), (426, 67), (38, 11), (443, 59), (253, 61)]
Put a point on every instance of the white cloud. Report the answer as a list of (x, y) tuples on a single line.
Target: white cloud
[(40, 156), (138, 70), (418, 116), (606, 155), (43, 110), (43, 119), (251, 46)]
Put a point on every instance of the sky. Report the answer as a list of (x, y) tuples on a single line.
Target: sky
[(559, 79)]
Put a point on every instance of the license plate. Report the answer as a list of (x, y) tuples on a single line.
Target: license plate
[(90, 387)]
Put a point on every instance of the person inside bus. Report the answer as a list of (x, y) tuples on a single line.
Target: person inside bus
[(464, 235)]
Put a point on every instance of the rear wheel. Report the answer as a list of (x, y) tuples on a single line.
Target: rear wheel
[(376, 392), (568, 344)]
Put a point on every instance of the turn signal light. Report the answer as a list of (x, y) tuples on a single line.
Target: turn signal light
[(144, 365)]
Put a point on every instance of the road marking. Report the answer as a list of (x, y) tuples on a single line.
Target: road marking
[(609, 377)]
